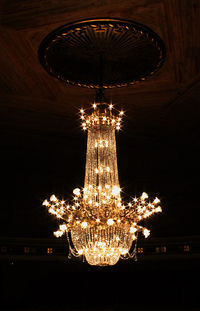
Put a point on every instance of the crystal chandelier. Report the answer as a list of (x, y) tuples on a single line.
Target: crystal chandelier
[(99, 224), (102, 226)]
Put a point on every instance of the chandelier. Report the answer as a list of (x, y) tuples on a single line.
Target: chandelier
[(99, 224)]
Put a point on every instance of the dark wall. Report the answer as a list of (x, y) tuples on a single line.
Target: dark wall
[(127, 286)]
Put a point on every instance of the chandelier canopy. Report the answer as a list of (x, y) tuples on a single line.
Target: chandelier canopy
[(100, 226)]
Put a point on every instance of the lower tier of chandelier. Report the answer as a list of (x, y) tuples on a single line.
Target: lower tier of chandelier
[(102, 247), (102, 52)]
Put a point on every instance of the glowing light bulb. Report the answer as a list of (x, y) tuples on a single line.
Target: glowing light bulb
[(63, 227), (58, 233), (53, 198), (121, 113), (144, 196), (134, 237), (110, 106), (52, 211), (80, 251), (124, 251), (156, 200), (158, 209), (115, 190), (110, 222), (84, 224), (133, 229), (46, 203), (146, 232), (94, 106), (77, 191)]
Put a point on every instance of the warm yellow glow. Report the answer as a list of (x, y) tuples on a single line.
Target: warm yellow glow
[(144, 196), (46, 203), (134, 237), (84, 224), (77, 191), (146, 232), (53, 198), (108, 169), (58, 233), (102, 226), (115, 190), (63, 227), (156, 200), (110, 222), (158, 209), (133, 229), (124, 251)]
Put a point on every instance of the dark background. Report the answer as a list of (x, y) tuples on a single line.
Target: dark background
[(43, 152)]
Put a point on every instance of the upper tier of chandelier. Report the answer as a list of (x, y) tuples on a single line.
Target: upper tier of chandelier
[(101, 173), (102, 226)]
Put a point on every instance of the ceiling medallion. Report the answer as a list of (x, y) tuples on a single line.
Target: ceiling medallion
[(115, 51), (102, 53)]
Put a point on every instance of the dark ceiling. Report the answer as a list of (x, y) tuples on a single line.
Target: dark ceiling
[(42, 145)]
